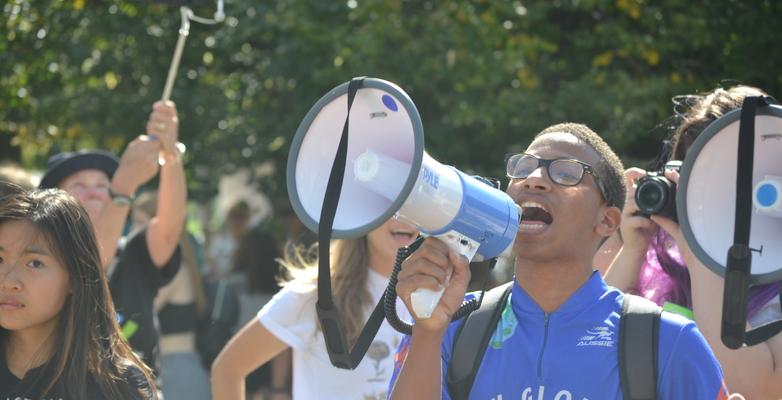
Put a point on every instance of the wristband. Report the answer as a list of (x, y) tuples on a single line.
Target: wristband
[(121, 199)]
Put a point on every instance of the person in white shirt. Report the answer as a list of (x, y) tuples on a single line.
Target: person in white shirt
[(289, 320)]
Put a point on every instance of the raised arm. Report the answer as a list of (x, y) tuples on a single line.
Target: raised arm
[(755, 372), (137, 166), (635, 229), (165, 228), (250, 348), (428, 267)]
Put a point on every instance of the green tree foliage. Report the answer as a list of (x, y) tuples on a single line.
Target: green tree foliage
[(485, 75)]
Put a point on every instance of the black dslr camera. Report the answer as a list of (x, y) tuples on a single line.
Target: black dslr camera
[(656, 195)]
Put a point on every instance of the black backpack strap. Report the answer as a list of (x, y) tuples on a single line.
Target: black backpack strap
[(639, 331), (471, 341)]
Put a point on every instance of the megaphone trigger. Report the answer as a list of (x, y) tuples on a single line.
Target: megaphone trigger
[(423, 300)]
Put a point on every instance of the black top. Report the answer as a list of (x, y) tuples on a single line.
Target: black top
[(134, 283), (10, 389), (177, 318)]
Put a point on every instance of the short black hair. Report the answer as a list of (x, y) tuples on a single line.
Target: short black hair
[(609, 168)]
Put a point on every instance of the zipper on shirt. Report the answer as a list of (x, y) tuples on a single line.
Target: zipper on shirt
[(543, 348)]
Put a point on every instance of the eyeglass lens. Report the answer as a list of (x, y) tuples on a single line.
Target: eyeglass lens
[(563, 172)]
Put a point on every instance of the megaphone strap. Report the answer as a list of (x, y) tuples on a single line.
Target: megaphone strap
[(746, 152), (739, 259), (328, 315)]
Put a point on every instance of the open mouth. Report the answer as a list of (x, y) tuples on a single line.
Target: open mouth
[(535, 216), (404, 236)]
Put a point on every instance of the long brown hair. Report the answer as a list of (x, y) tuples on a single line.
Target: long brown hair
[(697, 111), (349, 272), (87, 342)]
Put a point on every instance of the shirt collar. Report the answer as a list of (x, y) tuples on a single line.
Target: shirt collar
[(586, 296)]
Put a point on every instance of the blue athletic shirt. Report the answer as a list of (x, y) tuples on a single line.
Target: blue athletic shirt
[(571, 353)]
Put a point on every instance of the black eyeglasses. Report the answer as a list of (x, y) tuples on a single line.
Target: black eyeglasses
[(562, 171)]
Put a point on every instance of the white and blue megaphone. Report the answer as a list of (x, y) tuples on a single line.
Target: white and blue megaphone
[(729, 207), (388, 173), (709, 173)]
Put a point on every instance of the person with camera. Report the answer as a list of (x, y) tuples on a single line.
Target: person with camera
[(559, 331), (656, 262)]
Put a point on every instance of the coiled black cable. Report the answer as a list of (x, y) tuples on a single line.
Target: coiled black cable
[(389, 297)]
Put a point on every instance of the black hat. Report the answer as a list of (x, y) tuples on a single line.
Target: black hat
[(63, 165)]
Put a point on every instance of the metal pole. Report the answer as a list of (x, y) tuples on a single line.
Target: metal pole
[(184, 30)]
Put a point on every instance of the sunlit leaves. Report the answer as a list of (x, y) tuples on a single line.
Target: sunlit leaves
[(484, 75)]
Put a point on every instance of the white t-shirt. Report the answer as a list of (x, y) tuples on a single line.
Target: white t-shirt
[(221, 251), (290, 316)]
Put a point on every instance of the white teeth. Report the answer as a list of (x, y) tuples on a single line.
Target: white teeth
[(531, 227), (533, 204)]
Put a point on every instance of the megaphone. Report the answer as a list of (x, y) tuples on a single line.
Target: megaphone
[(706, 198), (388, 174), (729, 206)]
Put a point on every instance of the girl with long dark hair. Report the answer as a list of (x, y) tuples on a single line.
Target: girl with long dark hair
[(58, 335)]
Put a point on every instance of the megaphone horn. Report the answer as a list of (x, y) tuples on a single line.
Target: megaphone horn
[(388, 173), (706, 198)]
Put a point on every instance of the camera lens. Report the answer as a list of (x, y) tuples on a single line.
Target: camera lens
[(650, 196), (656, 195)]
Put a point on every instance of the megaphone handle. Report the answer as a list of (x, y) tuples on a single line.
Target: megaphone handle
[(424, 301)]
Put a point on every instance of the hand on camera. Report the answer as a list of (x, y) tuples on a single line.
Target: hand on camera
[(429, 267), (672, 227), (636, 229)]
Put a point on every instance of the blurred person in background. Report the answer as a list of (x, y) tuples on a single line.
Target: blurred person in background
[(178, 305), (105, 186), (16, 175), (256, 274), (222, 246)]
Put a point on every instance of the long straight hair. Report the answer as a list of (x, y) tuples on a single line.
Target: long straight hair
[(87, 342), (349, 274)]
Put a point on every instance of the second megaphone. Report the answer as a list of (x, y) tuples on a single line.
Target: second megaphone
[(388, 173)]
